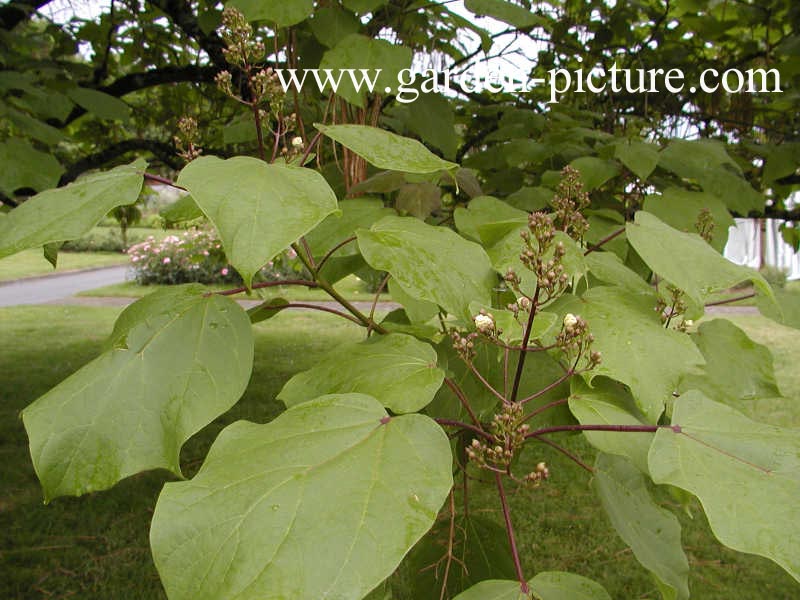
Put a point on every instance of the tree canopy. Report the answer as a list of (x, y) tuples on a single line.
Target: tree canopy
[(91, 93)]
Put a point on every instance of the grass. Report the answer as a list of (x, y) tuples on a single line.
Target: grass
[(351, 287), (31, 263), (96, 547)]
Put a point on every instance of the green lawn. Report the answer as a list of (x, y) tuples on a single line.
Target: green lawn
[(30, 263), (351, 287), (96, 547)]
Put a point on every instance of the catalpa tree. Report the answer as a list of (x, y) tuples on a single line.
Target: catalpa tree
[(564, 306)]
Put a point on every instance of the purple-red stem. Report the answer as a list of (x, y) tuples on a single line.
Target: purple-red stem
[(259, 134), (330, 252), (462, 425), (523, 584), (164, 180), (265, 284), (322, 308), (544, 408), (566, 453), (454, 387), (551, 386), (485, 383), (603, 241), (525, 339), (729, 300), (311, 145), (619, 428)]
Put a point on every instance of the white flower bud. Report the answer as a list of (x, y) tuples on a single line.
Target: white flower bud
[(524, 302), (570, 320), (297, 142), (688, 322), (484, 323)]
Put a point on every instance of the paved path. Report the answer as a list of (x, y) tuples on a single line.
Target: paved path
[(41, 290)]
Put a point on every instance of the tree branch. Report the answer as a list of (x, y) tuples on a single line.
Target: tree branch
[(139, 81), (164, 152), (15, 11)]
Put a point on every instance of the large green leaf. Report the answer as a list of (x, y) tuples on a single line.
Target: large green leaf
[(259, 209), (432, 118), (355, 213), (608, 268), (399, 370), (26, 167), (333, 484), (69, 212), (548, 585), (737, 368), (32, 127), (484, 210), (609, 403), (708, 163), (183, 209), (417, 311), (640, 157), (637, 350), (100, 104), (386, 150), (418, 199), (785, 309), (429, 263), (745, 474), (652, 532), (330, 25), (594, 171), (504, 11), (680, 208), (279, 12), (686, 260), (170, 372), (355, 56)]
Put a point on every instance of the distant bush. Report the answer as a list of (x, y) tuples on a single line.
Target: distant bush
[(109, 240), (775, 276), (196, 256)]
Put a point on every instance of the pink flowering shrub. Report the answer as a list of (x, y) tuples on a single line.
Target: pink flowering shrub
[(196, 256)]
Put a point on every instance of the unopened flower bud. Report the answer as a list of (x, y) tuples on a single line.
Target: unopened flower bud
[(484, 323), (570, 320), (297, 142)]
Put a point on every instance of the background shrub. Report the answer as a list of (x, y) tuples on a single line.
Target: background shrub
[(196, 256)]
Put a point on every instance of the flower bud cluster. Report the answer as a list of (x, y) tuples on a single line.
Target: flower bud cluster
[(675, 306), (538, 239), (262, 85), (522, 305), (538, 475), (464, 345), (485, 324), (568, 202), (509, 436), (186, 139), (705, 225), (575, 341), (266, 85), (237, 33)]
